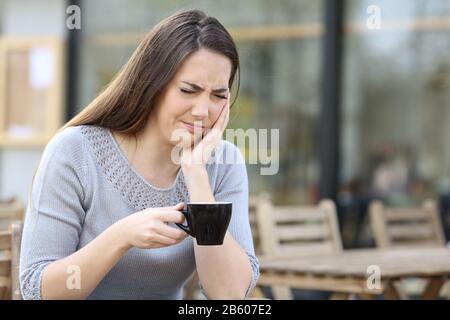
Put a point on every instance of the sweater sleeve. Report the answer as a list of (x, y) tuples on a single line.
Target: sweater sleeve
[(232, 186), (55, 212)]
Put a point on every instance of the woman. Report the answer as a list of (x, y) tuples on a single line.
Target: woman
[(107, 193)]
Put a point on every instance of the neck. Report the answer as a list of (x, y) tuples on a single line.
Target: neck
[(149, 153)]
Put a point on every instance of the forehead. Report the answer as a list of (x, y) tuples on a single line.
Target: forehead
[(205, 68)]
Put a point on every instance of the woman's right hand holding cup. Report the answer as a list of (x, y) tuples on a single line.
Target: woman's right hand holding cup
[(148, 229)]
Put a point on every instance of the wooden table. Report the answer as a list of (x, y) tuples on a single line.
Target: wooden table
[(354, 271)]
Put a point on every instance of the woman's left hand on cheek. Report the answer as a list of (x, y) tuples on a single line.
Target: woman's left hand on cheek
[(202, 150)]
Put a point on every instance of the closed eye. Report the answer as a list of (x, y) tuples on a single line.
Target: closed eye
[(187, 91), (191, 92)]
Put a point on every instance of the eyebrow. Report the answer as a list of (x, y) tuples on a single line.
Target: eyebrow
[(197, 87)]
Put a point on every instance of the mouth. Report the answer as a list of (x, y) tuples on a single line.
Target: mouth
[(192, 127)]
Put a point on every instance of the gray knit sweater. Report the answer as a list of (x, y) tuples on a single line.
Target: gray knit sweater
[(84, 184)]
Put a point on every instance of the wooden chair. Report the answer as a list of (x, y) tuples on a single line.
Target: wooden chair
[(16, 241), (5, 265), (11, 211), (297, 230), (9, 262), (408, 227), (255, 204), (11, 217)]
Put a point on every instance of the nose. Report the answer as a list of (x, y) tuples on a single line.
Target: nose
[(200, 110)]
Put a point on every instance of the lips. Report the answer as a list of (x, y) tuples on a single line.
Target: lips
[(191, 127)]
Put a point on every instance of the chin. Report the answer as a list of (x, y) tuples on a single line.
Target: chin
[(185, 144), (182, 137), (186, 141)]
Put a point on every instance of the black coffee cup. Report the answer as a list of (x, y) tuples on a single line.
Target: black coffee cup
[(207, 222)]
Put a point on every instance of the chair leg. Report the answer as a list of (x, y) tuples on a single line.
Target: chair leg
[(340, 296), (393, 292), (282, 293), (5, 288), (256, 293), (447, 290), (367, 296), (433, 288)]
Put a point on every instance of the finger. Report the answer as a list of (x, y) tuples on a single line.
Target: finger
[(217, 123), (171, 216), (171, 232), (216, 131), (220, 124), (228, 113), (205, 133), (178, 206), (212, 139), (223, 118), (163, 240)]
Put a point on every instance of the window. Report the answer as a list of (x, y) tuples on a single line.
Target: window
[(395, 101), (280, 49)]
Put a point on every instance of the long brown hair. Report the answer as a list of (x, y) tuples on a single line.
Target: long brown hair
[(125, 104)]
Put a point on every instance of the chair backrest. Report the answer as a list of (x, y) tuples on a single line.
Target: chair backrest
[(16, 241), (10, 212), (403, 227), (5, 265), (254, 204), (9, 262), (11, 217), (298, 230)]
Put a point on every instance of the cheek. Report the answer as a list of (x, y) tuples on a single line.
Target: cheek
[(170, 111), (178, 106), (214, 113)]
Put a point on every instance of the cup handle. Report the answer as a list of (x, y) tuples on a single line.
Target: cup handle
[(183, 227)]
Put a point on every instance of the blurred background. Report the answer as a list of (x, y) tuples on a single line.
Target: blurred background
[(362, 105)]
